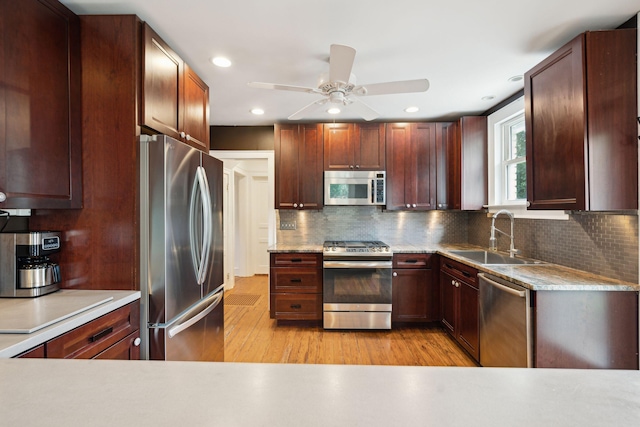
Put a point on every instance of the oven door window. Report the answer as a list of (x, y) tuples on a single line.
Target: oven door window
[(357, 285)]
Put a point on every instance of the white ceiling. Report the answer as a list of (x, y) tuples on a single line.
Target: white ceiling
[(467, 49)]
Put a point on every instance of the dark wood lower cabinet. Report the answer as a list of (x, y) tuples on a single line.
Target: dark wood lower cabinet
[(115, 335), (415, 293), (459, 312), (585, 329), (295, 286)]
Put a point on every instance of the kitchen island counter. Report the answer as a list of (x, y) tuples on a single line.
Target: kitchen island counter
[(153, 393)]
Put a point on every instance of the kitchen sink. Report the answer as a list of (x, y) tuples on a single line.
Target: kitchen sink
[(489, 257)]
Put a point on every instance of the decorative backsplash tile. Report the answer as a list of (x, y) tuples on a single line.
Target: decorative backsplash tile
[(599, 243), (371, 223)]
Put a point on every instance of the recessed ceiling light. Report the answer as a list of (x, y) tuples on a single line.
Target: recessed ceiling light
[(515, 78), (487, 98), (411, 109), (221, 62), (334, 110), (257, 111)]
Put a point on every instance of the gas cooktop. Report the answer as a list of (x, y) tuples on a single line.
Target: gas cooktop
[(356, 247)]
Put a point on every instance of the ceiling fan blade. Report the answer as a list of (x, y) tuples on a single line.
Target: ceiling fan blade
[(362, 109), (405, 86), (261, 85), (311, 107), (340, 63)]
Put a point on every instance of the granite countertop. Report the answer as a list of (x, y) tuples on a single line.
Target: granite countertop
[(158, 393), (538, 277), (69, 301)]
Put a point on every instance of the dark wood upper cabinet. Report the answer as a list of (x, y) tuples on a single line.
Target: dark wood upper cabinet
[(411, 166), (354, 146), (175, 101), (580, 113), (466, 169), (298, 166), (40, 100)]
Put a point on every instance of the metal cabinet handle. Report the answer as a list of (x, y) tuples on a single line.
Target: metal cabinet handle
[(136, 342), (408, 205), (296, 306), (188, 137), (295, 205), (395, 274), (182, 134), (414, 205), (301, 205), (350, 166), (357, 166), (3, 197)]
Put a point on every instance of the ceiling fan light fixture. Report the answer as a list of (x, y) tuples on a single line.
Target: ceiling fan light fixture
[(412, 109), (487, 98), (333, 110), (221, 62), (257, 111)]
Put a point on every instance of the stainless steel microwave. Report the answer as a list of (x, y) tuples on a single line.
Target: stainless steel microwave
[(355, 188)]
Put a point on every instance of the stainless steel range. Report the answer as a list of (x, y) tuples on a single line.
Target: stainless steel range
[(357, 285)]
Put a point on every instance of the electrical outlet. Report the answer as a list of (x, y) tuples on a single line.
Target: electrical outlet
[(287, 225)]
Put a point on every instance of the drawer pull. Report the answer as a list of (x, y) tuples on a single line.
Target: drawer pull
[(296, 259), (411, 261), (296, 280), (296, 306), (449, 266), (466, 273), (100, 335)]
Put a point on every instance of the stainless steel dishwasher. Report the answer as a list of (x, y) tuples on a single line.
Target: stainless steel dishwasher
[(505, 323)]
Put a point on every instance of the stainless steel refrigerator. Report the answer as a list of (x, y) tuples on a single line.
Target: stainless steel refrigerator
[(182, 310)]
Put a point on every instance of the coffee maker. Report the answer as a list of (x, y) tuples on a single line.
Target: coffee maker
[(25, 267)]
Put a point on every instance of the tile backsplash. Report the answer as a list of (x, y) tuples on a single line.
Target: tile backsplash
[(599, 243)]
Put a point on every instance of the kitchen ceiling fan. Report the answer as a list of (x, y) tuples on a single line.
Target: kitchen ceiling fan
[(339, 86)]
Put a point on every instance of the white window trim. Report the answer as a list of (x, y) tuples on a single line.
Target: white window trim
[(519, 209)]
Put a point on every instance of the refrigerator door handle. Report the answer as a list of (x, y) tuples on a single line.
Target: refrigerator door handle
[(208, 229), (200, 263), (209, 305)]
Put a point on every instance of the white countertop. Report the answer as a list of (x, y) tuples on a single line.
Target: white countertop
[(59, 303), (152, 393)]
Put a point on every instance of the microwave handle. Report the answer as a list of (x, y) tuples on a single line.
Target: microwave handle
[(373, 191)]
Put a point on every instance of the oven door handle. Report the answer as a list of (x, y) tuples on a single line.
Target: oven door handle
[(357, 264)]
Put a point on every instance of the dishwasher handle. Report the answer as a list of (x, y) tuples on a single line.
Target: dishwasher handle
[(508, 289)]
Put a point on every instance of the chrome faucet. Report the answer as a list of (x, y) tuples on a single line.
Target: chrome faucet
[(493, 242)]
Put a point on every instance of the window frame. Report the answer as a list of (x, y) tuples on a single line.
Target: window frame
[(496, 180)]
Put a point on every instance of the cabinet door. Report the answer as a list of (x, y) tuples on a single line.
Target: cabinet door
[(412, 296), (339, 146), (445, 179), (555, 117), (40, 106), (369, 153), (471, 159), (310, 173), (287, 167), (161, 85), (420, 190), (448, 300), (468, 334), (195, 110), (397, 146)]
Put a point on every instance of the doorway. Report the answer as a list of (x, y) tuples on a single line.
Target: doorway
[(249, 214)]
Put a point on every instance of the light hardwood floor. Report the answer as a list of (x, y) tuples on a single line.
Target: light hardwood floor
[(251, 336)]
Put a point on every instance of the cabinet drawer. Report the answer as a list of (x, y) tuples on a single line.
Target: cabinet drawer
[(89, 340), (412, 261), (125, 349), (460, 271), (297, 306), (303, 280), (296, 260)]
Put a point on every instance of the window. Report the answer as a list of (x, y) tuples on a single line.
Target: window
[(513, 165), (508, 163)]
